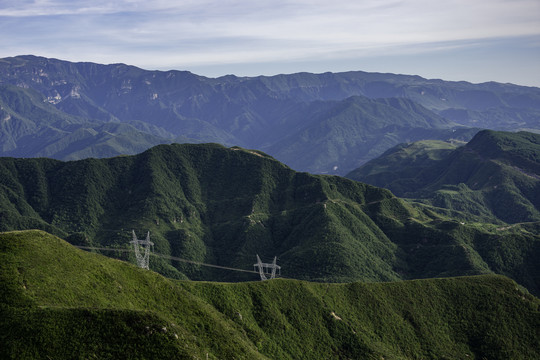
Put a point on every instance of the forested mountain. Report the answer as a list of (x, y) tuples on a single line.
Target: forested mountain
[(58, 302), (323, 123), (496, 176), (222, 206)]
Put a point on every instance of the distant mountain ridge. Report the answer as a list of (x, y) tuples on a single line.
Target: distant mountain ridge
[(495, 176), (283, 115), (222, 206)]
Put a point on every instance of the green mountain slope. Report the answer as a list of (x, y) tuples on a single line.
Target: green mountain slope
[(60, 302), (496, 176), (222, 206), (205, 202), (409, 158), (275, 114)]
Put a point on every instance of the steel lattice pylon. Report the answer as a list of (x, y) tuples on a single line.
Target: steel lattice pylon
[(267, 269), (143, 260)]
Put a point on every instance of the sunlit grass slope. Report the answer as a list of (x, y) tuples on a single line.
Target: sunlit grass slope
[(60, 302)]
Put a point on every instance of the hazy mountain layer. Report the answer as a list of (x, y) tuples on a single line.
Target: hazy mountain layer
[(223, 206), (313, 122), (60, 302)]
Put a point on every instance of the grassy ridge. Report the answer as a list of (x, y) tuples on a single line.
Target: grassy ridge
[(67, 299)]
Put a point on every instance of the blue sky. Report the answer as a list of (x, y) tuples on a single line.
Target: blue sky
[(475, 41)]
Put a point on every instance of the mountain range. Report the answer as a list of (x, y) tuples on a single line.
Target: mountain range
[(223, 206), (321, 123), (59, 302)]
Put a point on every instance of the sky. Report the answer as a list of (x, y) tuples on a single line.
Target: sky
[(475, 41)]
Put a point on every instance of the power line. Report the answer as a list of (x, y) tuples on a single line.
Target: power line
[(204, 264), (103, 249), (171, 258)]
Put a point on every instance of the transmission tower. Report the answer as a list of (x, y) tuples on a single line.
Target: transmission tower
[(143, 259), (267, 268)]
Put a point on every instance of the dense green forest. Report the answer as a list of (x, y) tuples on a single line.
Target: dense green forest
[(222, 206)]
